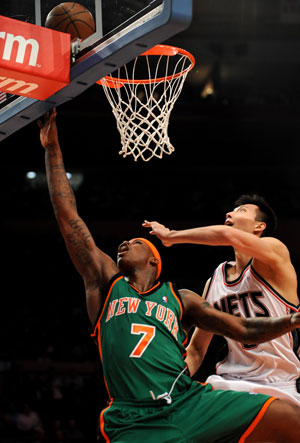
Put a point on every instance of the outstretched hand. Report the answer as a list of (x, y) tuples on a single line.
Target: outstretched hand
[(48, 129), (159, 230)]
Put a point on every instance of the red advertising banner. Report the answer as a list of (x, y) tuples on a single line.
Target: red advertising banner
[(34, 61)]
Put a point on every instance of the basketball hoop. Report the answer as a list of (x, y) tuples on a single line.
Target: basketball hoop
[(142, 95)]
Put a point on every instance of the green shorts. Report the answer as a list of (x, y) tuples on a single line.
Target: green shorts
[(200, 414)]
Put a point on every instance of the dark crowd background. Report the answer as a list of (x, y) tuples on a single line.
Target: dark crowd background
[(241, 137)]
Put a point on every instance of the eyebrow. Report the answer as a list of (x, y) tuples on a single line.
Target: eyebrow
[(240, 207)]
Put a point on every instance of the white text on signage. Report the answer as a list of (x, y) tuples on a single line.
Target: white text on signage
[(11, 39)]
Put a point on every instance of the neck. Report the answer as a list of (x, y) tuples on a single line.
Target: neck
[(241, 260), (141, 282)]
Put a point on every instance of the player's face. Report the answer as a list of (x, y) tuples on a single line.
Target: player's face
[(133, 254), (243, 217)]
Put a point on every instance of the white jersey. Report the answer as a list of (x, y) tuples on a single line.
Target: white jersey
[(250, 295)]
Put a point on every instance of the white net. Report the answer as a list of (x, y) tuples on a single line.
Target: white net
[(142, 95)]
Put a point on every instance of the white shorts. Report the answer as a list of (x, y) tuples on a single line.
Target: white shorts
[(282, 390)]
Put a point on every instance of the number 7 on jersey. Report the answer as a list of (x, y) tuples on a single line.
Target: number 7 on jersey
[(147, 332)]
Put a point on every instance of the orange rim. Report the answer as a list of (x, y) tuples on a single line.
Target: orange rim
[(115, 83)]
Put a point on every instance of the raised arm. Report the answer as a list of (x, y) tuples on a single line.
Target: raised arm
[(256, 330), (267, 249), (271, 258), (95, 267)]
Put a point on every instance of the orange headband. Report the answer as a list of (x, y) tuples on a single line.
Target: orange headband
[(155, 253)]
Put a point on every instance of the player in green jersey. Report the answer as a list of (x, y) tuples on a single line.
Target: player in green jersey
[(141, 325)]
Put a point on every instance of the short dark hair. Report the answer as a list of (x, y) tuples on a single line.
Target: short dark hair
[(265, 213)]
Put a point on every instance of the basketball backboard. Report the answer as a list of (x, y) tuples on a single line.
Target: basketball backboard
[(124, 29)]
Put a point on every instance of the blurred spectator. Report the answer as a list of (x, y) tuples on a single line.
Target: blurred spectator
[(29, 424), (59, 437), (8, 419), (73, 433), (55, 433)]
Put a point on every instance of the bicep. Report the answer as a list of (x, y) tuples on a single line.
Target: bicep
[(201, 314), (267, 250)]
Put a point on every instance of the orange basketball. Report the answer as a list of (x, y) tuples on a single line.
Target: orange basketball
[(71, 18)]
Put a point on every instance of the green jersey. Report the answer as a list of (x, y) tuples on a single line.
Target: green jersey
[(141, 345), (141, 341)]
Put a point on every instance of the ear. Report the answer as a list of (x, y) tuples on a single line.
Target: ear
[(153, 261), (259, 228)]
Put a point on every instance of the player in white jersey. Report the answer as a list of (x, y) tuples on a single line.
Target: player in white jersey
[(273, 364), (261, 282)]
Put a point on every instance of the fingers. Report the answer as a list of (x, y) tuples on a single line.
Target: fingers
[(49, 118), (40, 123), (150, 224), (52, 117), (52, 113)]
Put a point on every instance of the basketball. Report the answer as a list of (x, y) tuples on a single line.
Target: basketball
[(71, 18)]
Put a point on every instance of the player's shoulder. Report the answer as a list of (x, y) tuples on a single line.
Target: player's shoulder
[(277, 245), (273, 240)]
